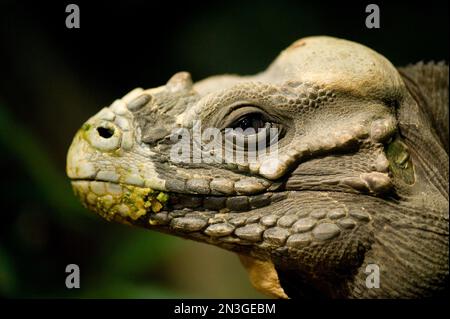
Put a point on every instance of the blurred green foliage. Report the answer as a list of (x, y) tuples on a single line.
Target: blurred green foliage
[(125, 254)]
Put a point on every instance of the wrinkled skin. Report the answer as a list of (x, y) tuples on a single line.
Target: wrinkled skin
[(361, 177)]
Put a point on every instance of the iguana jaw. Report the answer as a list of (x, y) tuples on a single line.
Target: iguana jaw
[(122, 201), (299, 222)]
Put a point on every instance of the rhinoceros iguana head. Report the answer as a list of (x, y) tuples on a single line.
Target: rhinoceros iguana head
[(344, 195)]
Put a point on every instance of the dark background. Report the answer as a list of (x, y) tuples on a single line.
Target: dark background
[(53, 78)]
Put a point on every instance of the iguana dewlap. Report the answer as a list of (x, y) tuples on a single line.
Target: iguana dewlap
[(360, 176)]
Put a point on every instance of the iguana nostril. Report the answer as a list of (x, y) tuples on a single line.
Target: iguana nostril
[(105, 132), (103, 135)]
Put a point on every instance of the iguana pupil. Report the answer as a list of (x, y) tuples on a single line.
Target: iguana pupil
[(254, 121)]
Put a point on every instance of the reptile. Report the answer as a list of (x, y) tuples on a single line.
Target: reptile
[(359, 175)]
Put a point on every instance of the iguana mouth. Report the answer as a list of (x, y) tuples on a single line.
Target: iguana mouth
[(129, 202)]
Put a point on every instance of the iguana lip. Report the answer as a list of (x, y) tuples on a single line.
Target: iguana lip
[(111, 198)]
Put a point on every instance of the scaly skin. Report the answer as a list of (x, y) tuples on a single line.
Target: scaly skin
[(361, 175)]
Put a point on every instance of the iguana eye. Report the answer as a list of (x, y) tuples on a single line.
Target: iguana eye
[(250, 118), (250, 127), (253, 120)]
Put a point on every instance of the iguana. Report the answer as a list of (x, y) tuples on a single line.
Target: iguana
[(358, 186)]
